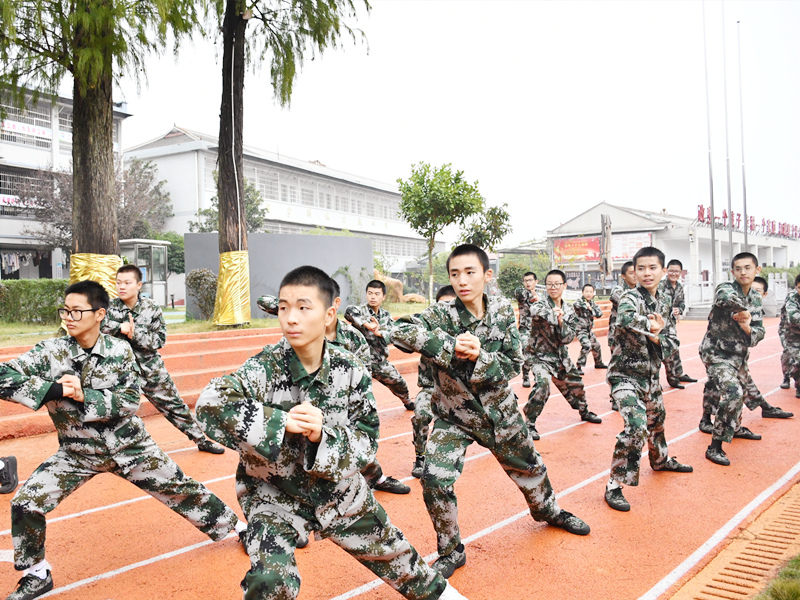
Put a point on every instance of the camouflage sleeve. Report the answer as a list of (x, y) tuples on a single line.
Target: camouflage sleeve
[(110, 326), (596, 310), (792, 312), (496, 368), (580, 308), (21, 379), (727, 298), (569, 327), (232, 410), (522, 296), (269, 304), (116, 396), (361, 349), (680, 300), (424, 335), (668, 338), (628, 315), (354, 315), (152, 334), (757, 330), (344, 450)]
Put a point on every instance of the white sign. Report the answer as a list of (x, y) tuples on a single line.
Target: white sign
[(625, 245), (27, 129)]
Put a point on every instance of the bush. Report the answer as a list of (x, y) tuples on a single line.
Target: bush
[(201, 284), (510, 279), (31, 300)]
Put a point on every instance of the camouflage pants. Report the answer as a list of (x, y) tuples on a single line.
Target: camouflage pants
[(372, 472), (386, 373), (752, 398), (421, 421), (144, 464), (790, 363), (641, 405), (527, 355), (589, 343), (569, 384), (160, 389), (368, 536), (728, 382), (444, 463), (673, 366)]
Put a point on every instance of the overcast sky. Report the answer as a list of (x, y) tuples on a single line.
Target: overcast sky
[(551, 106)]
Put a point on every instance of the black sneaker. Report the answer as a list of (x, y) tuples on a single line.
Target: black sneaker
[(210, 447), (526, 381), (570, 523), (579, 370), (787, 382), (616, 500), (614, 405), (590, 417), (600, 366), (446, 565), (31, 586), (409, 405), (797, 393), (676, 384), (717, 455), (419, 467), (775, 412), (687, 378), (673, 465), (743, 433), (706, 426), (302, 543), (8, 475), (392, 486), (534, 434)]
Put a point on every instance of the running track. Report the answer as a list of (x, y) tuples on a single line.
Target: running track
[(109, 541)]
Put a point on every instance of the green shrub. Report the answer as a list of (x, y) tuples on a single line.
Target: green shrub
[(510, 279), (31, 300), (201, 284)]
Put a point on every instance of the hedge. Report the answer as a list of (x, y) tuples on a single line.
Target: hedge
[(31, 300)]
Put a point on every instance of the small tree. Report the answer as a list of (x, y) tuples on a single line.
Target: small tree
[(488, 228), (432, 199), (176, 255), (256, 214)]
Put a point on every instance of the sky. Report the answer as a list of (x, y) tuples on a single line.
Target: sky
[(552, 107)]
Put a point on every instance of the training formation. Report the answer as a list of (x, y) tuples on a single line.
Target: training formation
[(302, 417)]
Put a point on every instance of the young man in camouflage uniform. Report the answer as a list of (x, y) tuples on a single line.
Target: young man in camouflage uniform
[(672, 287), (302, 416), (89, 383), (376, 324), (473, 345), (140, 322), (526, 296), (586, 310), (342, 334), (789, 331), (642, 340), (735, 324), (628, 276), (553, 324)]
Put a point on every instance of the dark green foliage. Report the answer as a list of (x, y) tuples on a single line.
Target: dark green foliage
[(511, 278), (32, 300), (208, 218), (201, 284), (175, 254)]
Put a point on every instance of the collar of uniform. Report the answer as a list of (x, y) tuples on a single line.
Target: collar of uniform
[(75, 350), (297, 371), (467, 319), (339, 341), (648, 297), (552, 303)]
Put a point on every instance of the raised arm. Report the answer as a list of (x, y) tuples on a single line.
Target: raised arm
[(149, 329), (269, 304), (115, 395)]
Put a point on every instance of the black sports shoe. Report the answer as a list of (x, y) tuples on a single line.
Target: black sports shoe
[(392, 486), (717, 455), (446, 565), (706, 426), (534, 434), (673, 465), (775, 412), (579, 370), (687, 378), (8, 475), (526, 381), (409, 405), (210, 447), (570, 523), (797, 393), (302, 543), (744, 433), (676, 384), (590, 417), (787, 382), (616, 500), (600, 366), (419, 467), (31, 586)]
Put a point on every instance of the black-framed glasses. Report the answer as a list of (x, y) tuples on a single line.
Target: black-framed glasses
[(76, 314), (554, 286)]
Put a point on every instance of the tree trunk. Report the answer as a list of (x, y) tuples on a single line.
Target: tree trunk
[(230, 189), (430, 270), (94, 210)]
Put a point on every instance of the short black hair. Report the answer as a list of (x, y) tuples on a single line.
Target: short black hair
[(311, 277), (797, 280), (530, 273), (137, 272), (649, 252), (445, 291), (625, 266), (675, 262), (337, 291), (96, 294), (467, 249), (745, 256), (585, 285), (558, 272), (377, 284), (763, 282)]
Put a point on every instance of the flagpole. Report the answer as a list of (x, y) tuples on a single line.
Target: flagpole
[(715, 275), (741, 124)]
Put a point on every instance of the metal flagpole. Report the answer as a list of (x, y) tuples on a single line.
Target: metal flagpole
[(715, 275), (741, 122), (727, 153)]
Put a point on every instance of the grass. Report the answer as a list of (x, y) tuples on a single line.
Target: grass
[(786, 586)]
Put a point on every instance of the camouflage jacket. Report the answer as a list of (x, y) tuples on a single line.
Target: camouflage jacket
[(634, 354), (676, 294), (247, 411), (585, 313), (725, 340), (425, 368), (789, 328), (347, 336), (379, 346), (149, 329), (472, 395), (616, 294), (524, 301), (549, 340), (105, 421)]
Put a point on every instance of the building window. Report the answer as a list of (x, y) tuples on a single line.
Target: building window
[(209, 167), (307, 197), (28, 127)]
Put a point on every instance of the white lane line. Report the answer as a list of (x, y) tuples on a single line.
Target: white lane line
[(7, 556), (683, 568)]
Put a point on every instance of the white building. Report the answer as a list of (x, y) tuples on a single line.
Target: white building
[(575, 245), (37, 138)]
